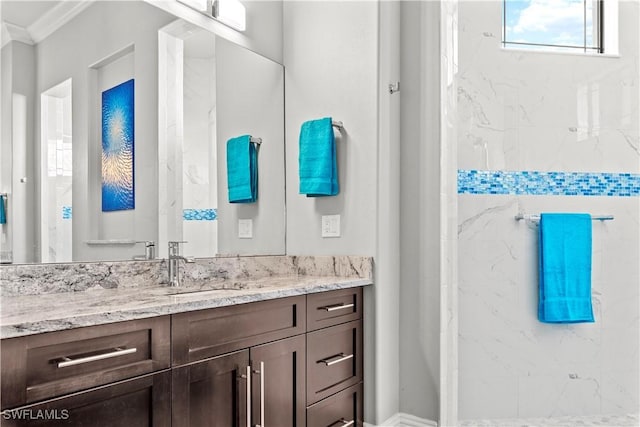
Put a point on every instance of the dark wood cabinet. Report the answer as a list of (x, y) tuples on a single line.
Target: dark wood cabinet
[(140, 402), (334, 360), (261, 385), (38, 367), (343, 409), (326, 309), (288, 362), (212, 392), (278, 383), (200, 334)]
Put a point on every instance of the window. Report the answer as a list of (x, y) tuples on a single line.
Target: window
[(560, 25)]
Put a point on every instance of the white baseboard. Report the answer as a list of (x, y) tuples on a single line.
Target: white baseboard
[(405, 420)]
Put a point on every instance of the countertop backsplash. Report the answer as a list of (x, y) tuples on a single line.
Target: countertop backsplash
[(36, 279)]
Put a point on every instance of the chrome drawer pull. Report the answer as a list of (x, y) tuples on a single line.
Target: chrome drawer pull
[(248, 396), (262, 396), (343, 423), (336, 307), (332, 360), (118, 351)]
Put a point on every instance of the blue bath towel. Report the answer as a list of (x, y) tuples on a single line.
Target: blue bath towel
[(242, 170), (3, 210), (317, 161), (565, 268)]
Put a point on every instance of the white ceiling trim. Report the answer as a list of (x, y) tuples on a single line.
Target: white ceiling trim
[(55, 18), (14, 32)]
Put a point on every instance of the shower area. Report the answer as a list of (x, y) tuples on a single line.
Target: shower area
[(542, 132), (188, 185)]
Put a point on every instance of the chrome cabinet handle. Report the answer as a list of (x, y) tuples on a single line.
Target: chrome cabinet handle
[(343, 423), (248, 396), (336, 307), (335, 359), (261, 372), (118, 351)]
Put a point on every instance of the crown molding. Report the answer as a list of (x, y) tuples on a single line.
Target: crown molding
[(12, 32), (55, 18)]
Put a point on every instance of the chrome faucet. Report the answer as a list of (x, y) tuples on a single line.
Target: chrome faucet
[(149, 250), (174, 262)]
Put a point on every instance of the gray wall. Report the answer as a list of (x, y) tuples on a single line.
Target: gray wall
[(18, 78), (250, 100), (420, 211), (100, 31), (326, 45), (339, 58), (5, 143)]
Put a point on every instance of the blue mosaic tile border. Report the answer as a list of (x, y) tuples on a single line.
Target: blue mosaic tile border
[(67, 212), (536, 183), (199, 214)]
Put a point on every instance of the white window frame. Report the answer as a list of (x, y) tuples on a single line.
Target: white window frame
[(606, 22)]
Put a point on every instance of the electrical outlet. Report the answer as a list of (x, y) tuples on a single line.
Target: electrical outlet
[(330, 225), (245, 229)]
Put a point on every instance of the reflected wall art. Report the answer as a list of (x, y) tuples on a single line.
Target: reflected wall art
[(117, 147)]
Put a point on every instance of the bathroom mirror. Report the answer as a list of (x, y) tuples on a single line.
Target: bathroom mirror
[(191, 91)]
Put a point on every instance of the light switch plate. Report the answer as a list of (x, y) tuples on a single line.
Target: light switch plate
[(330, 225), (245, 229)]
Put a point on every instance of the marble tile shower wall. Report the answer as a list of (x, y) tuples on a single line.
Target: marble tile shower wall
[(545, 132)]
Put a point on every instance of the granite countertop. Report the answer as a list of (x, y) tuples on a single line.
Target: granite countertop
[(22, 315)]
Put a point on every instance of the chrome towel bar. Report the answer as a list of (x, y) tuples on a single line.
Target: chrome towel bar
[(530, 217)]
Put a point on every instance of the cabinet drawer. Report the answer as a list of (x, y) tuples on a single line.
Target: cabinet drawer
[(143, 401), (334, 360), (42, 366), (340, 410), (332, 308), (201, 334)]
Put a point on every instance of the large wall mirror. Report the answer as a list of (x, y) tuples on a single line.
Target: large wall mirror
[(170, 94)]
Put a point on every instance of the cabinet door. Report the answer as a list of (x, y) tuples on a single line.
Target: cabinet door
[(141, 402), (211, 393), (278, 383)]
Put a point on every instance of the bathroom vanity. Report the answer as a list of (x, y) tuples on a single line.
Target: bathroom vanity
[(278, 351)]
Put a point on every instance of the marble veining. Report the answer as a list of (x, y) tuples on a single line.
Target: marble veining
[(75, 277), (118, 291)]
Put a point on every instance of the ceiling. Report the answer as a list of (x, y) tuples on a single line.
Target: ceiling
[(23, 13)]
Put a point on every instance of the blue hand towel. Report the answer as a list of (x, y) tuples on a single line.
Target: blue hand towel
[(565, 268), (3, 212), (242, 170), (317, 161)]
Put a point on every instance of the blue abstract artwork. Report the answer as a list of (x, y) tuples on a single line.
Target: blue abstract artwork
[(118, 147)]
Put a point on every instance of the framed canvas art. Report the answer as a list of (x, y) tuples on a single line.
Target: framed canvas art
[(118, 147)]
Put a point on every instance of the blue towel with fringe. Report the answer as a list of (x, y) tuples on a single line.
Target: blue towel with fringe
[(242, 170), (3, 210), (565, 268), (317, 160)]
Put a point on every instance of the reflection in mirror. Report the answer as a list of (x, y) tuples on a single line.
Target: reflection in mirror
[(51, 136), (212, 90), (56, 239)]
